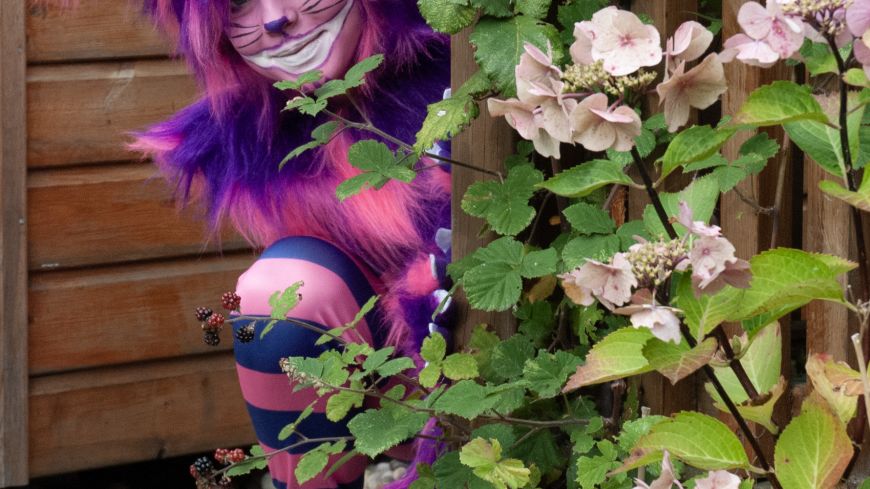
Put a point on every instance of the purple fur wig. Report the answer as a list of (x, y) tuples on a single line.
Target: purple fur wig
[(224, 149)]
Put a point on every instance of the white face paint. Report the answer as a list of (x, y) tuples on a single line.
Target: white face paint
[(306, 52)]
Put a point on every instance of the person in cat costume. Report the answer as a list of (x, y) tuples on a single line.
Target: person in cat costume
[(224, 150)]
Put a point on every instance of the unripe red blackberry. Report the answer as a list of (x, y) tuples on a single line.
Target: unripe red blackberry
[(203, 313), (215, 322), (221, 455), (193, 472), (231, 301), (245, 334), (236, 456), (211, 338)]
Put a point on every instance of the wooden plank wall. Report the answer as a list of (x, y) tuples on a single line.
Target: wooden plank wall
[(118, 371), (13, 247)]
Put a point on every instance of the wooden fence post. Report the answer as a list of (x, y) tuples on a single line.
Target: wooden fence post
[(13, 251), (486, 143)]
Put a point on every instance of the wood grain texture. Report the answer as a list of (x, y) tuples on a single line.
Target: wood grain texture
[(109, 214), (114, 315), (827, 229), (658, 393), (140, 412), (95, 29), (81, 113), (13, 247), (485, 144)]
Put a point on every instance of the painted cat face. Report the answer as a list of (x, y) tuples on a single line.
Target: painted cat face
[(281, 39)]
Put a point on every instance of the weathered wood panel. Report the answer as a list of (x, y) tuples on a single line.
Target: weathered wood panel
[(81, 113), (114, 315), (140, 412), (95, 29), (13, 247), (485, 144), (109, 214)]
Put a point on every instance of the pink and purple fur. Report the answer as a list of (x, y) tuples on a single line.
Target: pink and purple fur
[(224, 151)]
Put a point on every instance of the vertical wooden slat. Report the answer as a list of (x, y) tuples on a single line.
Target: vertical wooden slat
[(485, 144), (658, 393), (13, 252)]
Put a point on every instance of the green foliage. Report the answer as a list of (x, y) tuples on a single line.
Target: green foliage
[(378, 430), (780, 102), (449, 117), (319, 136), (618, 355), (676, 362), (589, 219), (314, 461), (821, 141), (446, 16), (379, 166), (693, 144), (255, 461), (860, 198), (586, 178), (819, 59), (547, 373), (457, 366), (814, 450), (499, 43), (485, 459), (504, 205), (701, 196)]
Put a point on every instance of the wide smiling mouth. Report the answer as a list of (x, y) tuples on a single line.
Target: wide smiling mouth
[(297, 47)]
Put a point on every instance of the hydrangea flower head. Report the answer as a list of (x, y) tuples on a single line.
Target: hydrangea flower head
[(619, 39), (690, 41), (718, 479), (598, 127), (700, 88)]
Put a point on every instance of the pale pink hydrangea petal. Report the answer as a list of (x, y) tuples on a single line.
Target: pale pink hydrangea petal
[(626, 44), (783, 38), (755, 20), (536, 74), (610, 283), (661, 321), (862, 52), (597, 128), (858, 17), (581, 48), (576, 291), (690, 41), (666, 480), (698, 228), (749, 51), (699, 88), (708, 257), (737, 274), (555, 118), (718, 479), (527, 120)]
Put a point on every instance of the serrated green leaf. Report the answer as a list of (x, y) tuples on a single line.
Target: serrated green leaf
[(256, 461), (466, 399), (300, 81), (814, 449), (451, 473), (859, 199), (697, 439), (484, 458), (703, 313), (379, 166), (593, 471), (319, 136), (377, 358), (429, 375), (282, 302), (818, 58), (459, 366), (504, 205), (856, 77), (618, 355), (395, 366), (539, 263), (778, 103), (434, 348), (589, 219), (585, 178), (492, 286), (598, 247), (548, 372), (500, 42), (314, 461), (496, 8), (355, 75), (446, 16), (510, 356), (693, 144), (378, 430), (634, 429), (445, 119), (340, 403), (537, 9)]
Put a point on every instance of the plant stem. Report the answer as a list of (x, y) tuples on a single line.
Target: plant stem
[(735, 364), (708, 370), (862, 366), (266, 456)]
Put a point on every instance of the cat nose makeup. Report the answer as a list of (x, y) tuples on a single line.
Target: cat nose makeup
[(284, 38)]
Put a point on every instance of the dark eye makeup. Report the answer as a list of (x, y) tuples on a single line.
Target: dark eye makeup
[(238, 4)]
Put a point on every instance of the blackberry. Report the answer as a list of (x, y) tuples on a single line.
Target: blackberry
[(231, 301), (245, 334), (236, 456), (211, 338), (216, 321), (221, 455), (203, 466), (203, 313)]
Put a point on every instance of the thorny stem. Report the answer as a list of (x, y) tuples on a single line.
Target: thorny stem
[(266, 456), (368, 126), (708, 370)]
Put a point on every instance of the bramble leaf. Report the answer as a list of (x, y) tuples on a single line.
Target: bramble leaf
[(485, 459), (504, 205), (446, 16), (589, 219), (315, 460)]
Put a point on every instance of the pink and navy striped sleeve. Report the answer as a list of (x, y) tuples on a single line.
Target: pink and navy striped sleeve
[(334, 290)]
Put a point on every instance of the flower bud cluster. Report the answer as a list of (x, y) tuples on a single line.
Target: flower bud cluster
[(593, 77), (828, 17), (652, 262)]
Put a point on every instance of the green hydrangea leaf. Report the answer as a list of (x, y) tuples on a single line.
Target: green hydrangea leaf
[(677, 362), (814, 450), (779, 103), (701, 196), (583, 179), (618, 355), (859, 198), (693, 144)]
